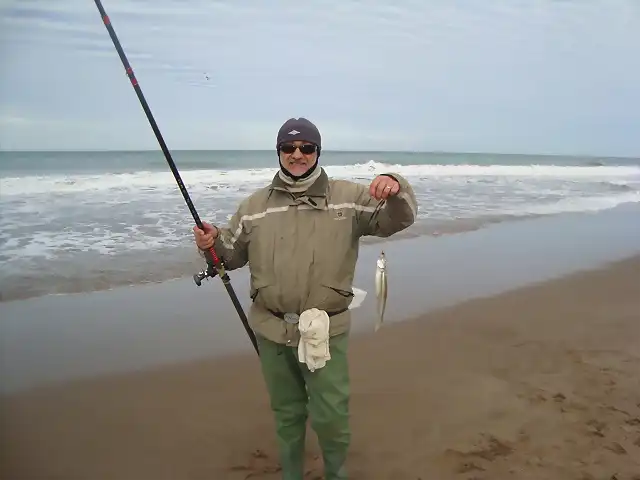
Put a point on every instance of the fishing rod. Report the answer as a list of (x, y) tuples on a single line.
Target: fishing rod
[(214, 264)]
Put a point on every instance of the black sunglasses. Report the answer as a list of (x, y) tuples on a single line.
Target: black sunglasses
[(306, 149)]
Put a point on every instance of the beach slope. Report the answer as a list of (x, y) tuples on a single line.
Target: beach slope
[(538, 383)]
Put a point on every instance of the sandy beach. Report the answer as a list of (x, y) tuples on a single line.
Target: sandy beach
[(510, 346), (542, 382)]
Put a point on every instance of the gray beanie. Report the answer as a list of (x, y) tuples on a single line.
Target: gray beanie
[(299, 129)]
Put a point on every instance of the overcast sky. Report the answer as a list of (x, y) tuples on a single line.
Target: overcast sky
[(499, 76)]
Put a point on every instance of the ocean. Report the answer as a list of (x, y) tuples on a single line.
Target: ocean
[(82, 221)]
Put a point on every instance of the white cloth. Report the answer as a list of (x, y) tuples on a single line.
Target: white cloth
[(313, 348)]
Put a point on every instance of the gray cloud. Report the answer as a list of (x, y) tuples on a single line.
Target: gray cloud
[(544, 76)]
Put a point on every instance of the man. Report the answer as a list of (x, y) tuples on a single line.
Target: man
[(300, 237)]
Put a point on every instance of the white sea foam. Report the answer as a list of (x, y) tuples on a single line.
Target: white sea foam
[(58, 217), (575, 204), (234, 180)]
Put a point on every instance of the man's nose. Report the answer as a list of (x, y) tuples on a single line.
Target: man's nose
[(297, 153)]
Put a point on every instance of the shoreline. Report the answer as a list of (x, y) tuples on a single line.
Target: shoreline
[(358, 334), (54, 338), (85, 249), (536, 382), (103, 276)]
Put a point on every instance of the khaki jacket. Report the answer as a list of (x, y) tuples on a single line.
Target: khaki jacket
[(302, 250)]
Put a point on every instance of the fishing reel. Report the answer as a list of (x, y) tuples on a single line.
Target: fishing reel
[(209, 272)]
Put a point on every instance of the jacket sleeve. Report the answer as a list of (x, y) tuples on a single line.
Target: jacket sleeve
[(231, 245), (384, 218)]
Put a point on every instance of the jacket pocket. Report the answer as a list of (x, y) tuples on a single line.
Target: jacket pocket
[(340, 291), (257, 285), (336, 297)]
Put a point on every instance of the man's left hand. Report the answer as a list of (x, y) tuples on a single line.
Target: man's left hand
[(383, 187)]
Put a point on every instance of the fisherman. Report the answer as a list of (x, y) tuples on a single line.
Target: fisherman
[(300, 237)]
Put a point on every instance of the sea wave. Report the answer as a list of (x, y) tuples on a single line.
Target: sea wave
[(575, 205), (220, 179)]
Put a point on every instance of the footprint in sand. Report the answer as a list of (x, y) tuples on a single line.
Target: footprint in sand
[(596, 427), (634, 422), (490, 448), (259, 464), (616, 448), (467, 467)]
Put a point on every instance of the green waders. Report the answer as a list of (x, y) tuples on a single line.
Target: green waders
[(292, 387)]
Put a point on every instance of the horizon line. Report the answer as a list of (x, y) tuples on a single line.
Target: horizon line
[(428, 152)]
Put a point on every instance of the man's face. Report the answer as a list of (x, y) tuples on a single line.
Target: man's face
[(298, 157)]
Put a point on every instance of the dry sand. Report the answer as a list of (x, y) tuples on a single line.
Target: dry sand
[(541, 383)]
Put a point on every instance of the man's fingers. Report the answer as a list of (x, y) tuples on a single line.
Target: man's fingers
[(383, 187), (204, 236), (207, 229), (388, 188), (374, 186)]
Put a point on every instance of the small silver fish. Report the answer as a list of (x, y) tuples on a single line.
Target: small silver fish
[(381, 288)]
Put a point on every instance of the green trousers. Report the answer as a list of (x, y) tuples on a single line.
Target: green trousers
[(295, 393)]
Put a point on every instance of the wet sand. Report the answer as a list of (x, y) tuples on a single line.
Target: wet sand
[(61, 337), (542, 382)]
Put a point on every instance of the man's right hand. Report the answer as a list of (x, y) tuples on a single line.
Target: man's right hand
[(205, 238)]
